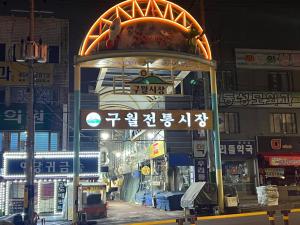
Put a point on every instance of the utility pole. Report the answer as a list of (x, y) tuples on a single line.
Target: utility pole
[(29, 188)]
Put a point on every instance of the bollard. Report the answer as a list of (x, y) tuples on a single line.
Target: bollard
[(191, 220), (271, 217), (285, 216)]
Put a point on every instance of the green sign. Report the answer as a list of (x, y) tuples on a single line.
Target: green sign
[(14, 117)]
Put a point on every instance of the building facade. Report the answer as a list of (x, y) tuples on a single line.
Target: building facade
[(51, 114)]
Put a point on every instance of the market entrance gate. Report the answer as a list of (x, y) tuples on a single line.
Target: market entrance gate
[(145, 49)]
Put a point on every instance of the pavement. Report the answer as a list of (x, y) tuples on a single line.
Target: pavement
[(128, 213)]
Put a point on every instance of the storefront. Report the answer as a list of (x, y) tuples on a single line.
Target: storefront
[(53, 172), (238, 164), (279, 160)]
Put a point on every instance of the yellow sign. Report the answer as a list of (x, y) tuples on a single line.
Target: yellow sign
[(146, 170), (157, 149), (14, 73)]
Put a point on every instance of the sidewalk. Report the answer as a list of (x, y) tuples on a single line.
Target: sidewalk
[(54, 220)]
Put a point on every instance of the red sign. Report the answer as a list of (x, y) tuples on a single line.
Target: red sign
[(284, 160)]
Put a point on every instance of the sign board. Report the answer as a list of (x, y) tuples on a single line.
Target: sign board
[(61, 192), (200, 149), (228, 148), (54, 164), (149, 84), (157, 149), (238, 147), (267, 144), (259, 99), (274, 172), (14, 73), (146, 170), (284, 161), (201, 170), (267, 59), (14, 117), (146, 119)]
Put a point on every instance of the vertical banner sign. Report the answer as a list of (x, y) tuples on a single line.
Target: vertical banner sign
[(201, 169), (61, 192)]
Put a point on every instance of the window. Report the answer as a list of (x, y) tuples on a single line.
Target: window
[(1, 141), (53, 54), (283, 123), (229, 123), (2, 95), (227, 80), (2, 52), (280, 81), (43, 141)]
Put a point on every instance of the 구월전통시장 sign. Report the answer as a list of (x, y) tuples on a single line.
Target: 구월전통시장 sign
[(146, 119)]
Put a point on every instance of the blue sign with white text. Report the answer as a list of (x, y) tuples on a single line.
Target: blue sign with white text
[(52, 166)]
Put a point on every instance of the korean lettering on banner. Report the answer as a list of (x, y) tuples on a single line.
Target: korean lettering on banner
[(61, 192), (148, 119), (200, 169), (240, 148)]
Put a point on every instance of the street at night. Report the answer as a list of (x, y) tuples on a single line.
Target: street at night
[(149, 112)]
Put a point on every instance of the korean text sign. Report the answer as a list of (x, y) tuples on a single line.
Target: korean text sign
[(146, 119), (52, 166)]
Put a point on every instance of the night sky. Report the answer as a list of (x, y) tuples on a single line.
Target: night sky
[(259, 23)]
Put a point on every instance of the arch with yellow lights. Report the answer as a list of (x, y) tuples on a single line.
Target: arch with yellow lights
[(134, 11)]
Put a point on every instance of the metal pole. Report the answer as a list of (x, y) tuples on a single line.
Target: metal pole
[(216, 132), (29, 187), (76, 161)]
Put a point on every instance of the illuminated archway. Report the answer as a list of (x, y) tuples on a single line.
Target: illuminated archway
[(134, 11)]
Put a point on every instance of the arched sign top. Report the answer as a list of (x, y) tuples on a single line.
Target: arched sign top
[(165, 26)]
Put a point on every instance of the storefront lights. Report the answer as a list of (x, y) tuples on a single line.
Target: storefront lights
[(104, 136)]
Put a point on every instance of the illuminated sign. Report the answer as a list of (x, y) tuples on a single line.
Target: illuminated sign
[(284, 160), (148, 24), (157, 149), (146, 170), (150, 119), (51, 165), (149, 84)]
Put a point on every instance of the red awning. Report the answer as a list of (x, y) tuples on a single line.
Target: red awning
[(283, 160)]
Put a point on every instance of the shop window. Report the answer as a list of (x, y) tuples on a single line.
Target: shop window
[(280, 81), (283, 123), (53, 54), (43, 141), (54, 142), (2, 52), (227, 80), (229, 123), (14, 142)]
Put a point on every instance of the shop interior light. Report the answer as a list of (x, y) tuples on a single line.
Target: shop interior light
[(104, 136), (151, 135), (118, 154)]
